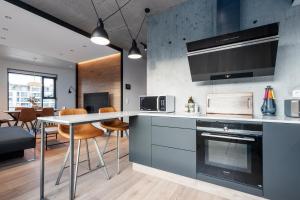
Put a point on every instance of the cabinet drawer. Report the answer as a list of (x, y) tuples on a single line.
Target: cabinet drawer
[(174, 160), (174, 122), (174, 137)]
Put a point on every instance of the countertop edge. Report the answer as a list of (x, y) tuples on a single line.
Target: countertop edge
[(260, 119)]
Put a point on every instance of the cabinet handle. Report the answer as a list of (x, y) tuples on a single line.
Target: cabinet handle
[(249, 103)]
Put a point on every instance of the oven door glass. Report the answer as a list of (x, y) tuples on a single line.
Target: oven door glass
[(225, 157), (228, 155)]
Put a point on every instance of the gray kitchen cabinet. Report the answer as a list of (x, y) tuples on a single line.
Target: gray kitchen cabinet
[(281, 161), (174, 160), (174, 137), (140, 140)]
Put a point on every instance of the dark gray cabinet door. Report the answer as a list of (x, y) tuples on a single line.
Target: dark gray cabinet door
[(281, 161), (140, 140), (174, 160), (174, 137)]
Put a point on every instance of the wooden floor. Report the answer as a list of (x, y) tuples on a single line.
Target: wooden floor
[(21, 180)]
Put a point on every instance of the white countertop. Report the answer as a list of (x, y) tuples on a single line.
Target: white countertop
[(276, 119), (90, 118), (87, 118)]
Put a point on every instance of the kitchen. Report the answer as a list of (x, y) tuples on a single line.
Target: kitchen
[(256, 145), (211, 110)]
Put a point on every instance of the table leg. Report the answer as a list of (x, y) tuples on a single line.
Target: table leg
[(118, 152), (42, 163), (71, 187)]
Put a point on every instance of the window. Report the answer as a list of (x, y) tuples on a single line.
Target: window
[(49, 87), (49, 92), (23, 85)]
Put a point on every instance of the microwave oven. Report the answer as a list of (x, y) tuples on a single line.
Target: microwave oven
[(157, 104)]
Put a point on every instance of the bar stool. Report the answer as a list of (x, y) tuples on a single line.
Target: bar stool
[(81, 132), (113, 125)]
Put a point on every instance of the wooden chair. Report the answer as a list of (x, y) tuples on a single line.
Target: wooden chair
[(50, 129), (5, 121), (113, 125), (17, 115), (81, 132), (28, 116)]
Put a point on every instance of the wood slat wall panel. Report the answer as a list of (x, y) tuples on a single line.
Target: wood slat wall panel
[(101, 75)]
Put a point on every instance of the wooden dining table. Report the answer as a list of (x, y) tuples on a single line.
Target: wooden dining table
[(16, 113)]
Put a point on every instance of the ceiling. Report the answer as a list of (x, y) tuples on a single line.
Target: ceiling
[(81, 15), (26, 35), (22, 56)]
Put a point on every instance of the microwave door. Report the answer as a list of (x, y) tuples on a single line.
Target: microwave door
[(148, 104)]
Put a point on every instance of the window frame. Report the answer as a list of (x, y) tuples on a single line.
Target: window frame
[(39, 74)]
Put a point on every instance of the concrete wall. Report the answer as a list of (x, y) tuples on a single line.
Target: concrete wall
[(65, 79), (135, 74), (167, 66)]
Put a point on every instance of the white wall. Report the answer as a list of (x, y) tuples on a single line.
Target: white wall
[(135, 74), (65, 78)]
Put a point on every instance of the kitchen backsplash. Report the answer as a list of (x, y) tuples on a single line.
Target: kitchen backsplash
[(168, 71)]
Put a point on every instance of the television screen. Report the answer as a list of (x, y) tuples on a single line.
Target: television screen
[(93, 101)]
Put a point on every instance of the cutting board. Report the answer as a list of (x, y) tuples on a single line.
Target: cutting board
[(230, 103)]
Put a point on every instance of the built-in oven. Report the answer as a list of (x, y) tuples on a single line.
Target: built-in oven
[(231, 151)]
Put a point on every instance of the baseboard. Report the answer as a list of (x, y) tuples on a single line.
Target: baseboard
[(195, 184)]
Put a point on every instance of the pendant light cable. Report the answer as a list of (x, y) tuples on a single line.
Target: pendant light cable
[(112, 14), (95, 10), (116, 11), (137, 35), (124, 19)]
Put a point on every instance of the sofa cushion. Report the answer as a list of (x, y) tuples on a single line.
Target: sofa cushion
[(15, 139)]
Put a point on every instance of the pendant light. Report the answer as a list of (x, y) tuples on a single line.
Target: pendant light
[(134, 51), (99, 35)]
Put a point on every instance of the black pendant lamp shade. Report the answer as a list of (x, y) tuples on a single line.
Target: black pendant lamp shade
[(99, 35), (134, 51)]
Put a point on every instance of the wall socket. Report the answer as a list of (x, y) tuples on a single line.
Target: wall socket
[(296, 93)]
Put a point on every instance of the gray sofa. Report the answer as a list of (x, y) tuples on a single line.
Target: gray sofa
[(13, 142)]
